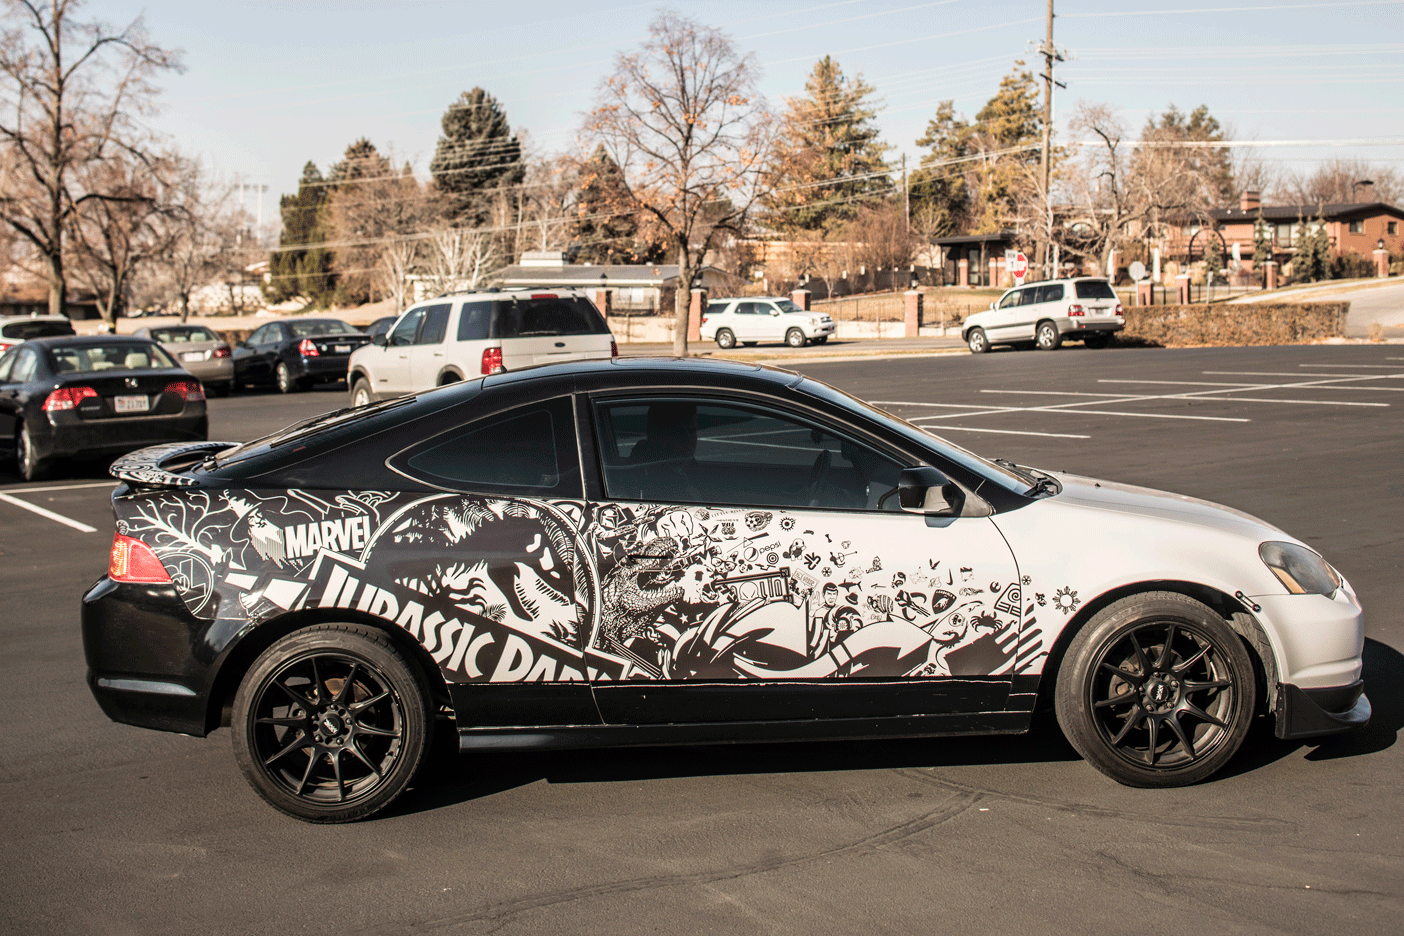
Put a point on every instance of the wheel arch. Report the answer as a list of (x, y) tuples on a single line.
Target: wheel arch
[(240, 658), (1235, 614), (450, 374)]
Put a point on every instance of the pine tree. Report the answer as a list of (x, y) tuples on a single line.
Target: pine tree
[(1312, 260), (1012, 118), (939, 192), (302, 271), (606, 226), (829, 160), (1262, 242), (476, 156)]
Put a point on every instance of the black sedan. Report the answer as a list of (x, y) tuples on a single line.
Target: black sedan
[(648, 552), (293, 354), (81, 397)]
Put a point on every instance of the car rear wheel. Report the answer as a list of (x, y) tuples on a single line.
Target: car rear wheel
[(977, 341), (1156, 691), (331, 723), (725, 339), (1097, 340), (361, 393), (795, 338), (27, 462), (287, 383), (1048, 338)]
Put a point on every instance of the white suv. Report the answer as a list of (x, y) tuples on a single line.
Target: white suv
[(452, 338), (750, 319), (1047, 313)]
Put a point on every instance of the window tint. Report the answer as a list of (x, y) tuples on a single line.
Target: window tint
[(1094, 289), (748, 308), (1012, 299), (475, 321), (26, 362), (525, 318), (435, 324), (319, 327), (27, 330), (7, 361), (524, 451), (403, 332), (701, 451), (1051, 293), (183, 335), (716, 308), (113, 355)]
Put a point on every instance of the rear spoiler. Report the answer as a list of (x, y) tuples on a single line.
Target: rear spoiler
[(145, 465)]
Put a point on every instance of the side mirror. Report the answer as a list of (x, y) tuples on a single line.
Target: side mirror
[(380, 340), (994, 304), (774, 311), (925, 490)]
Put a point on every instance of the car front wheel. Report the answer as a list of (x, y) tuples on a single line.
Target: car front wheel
[(977, 341), (795, 338), (331, 723), (725, 339), (1048, 338), (1156, 691)]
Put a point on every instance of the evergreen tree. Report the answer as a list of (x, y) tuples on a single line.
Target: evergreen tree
[(1213, 255), (939, 192), (829, 160), (476, 156), (302, 270), (1262, 242), (1312, 260), (606, 226), (1012, 118)]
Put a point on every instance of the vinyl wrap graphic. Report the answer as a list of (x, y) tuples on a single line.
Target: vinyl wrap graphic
[(501, 589)]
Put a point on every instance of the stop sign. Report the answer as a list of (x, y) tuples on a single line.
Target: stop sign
[(1021, 265)]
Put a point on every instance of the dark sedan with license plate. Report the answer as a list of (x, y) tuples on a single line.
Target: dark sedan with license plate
[(86, 397), (294, 354), (645, 551)]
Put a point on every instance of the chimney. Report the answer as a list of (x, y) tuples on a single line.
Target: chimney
[(1250, 200)]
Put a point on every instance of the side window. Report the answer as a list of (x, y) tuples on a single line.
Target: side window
[(25, 362), (404, 330), (1013, 299), (435, 323), (709, 452), (747, 308), (6, 363), (260, 335), (716, 308), (475, 321), (1052, 293), (529, 450)]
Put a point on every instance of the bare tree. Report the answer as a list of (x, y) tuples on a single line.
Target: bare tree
[(72, 94), (684, 120), (879, 236), (371, 209), (1342, 180), (392, 270), (202, 229), (460, 259)]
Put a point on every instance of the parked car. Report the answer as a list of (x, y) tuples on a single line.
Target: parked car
[(381, 325), (660, 551), (199, 350), (84, 397), (753, 319), (293, 354), (17, 328), (1046, 314), (452, 338)]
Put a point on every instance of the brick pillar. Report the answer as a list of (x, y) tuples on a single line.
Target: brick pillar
[(912, 300), (1270, 274), (602, 302), (994, 273), (962, 272), (1182, 289), (1381, 262), (1144, 296), (800, 297), (694, 314)]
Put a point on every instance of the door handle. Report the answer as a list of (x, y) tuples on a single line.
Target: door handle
[(560, 344)]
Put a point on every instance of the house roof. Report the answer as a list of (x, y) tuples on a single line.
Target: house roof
[(1336, 211), (999, 237), (580, 275)]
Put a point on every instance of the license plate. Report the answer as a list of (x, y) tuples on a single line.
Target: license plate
[(192, 356), (343, 349), (131, 404)]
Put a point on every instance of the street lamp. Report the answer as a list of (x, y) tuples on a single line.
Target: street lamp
[(1379, 244), (914, 281)]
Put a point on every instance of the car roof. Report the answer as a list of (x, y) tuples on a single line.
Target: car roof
[(650, 371), (80, 341), (7, 319)]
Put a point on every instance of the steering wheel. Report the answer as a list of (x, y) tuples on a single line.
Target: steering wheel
[(816, 477)]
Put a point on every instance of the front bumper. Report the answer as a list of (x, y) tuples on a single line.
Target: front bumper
[(1311, 713)]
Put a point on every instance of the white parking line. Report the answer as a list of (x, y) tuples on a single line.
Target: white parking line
[(1324, 383), (49, 514), (62, 487), (1239, 388), (1381, 366)]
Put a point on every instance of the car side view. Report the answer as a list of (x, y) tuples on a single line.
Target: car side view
[(645, 552), (750, 320), (1046, 314)]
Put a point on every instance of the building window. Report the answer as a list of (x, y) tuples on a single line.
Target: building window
[(1284, 235), (1392, 227), (1357, 227)]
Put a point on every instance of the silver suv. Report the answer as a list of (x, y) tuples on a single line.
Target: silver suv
[(456, 337), (1047, 313)]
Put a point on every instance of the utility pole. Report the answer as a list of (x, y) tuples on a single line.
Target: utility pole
[(906, 195), (1050, 55)]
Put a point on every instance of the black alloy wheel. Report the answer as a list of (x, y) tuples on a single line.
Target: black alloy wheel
[(795, 338), (977, 341), (1156, 691), (1047, 338), (331, 723), (726, 340)]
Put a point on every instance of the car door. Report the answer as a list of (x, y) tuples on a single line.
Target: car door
[(427, 355), (10, 401), (1003, 316), (771, 323), (261, 353), (751, 569), (749, 326), (393, 370)]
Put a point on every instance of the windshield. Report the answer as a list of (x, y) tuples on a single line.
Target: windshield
[(1012, 480), (320, 327), (1094, 289), (787, 306)]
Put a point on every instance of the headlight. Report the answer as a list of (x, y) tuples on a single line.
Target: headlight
[(1302, 571)]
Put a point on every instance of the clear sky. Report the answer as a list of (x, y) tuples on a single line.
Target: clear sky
[(270, 85)]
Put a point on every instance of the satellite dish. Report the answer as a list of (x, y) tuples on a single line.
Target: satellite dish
[(1137, 269)]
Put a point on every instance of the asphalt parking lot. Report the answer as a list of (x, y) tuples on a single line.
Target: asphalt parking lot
[(111, 829)]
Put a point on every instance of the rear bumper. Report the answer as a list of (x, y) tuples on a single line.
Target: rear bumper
[(1311, 713), (1079, 326), (322, 367), (70, 436)]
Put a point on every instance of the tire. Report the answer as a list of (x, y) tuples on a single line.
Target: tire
[(977, 341), (822, 339), (1047, 337), (1156, 691), (795, 338), (361, 393), (28, 464), (331, 723), (1097, 340), (287, 383), (726, 339)]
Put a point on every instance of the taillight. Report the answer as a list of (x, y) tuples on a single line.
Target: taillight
[(613, 349), (308, 348), (492, 361), (132, 560), (1074, 309), (704, 320), (1119, 310), (222, 351), (67, 398), (543, 295), (190, 390)]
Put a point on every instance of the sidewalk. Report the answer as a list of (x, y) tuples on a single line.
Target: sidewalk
[(832, 350)]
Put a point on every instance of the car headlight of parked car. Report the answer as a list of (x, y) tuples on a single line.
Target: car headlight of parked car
[(1302, 571)]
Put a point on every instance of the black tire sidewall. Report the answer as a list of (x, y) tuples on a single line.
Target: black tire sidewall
[(1110, 625), (283, 378), (790, 338), (984, 341), (1052, 342), (725, 339), (375, 650)]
